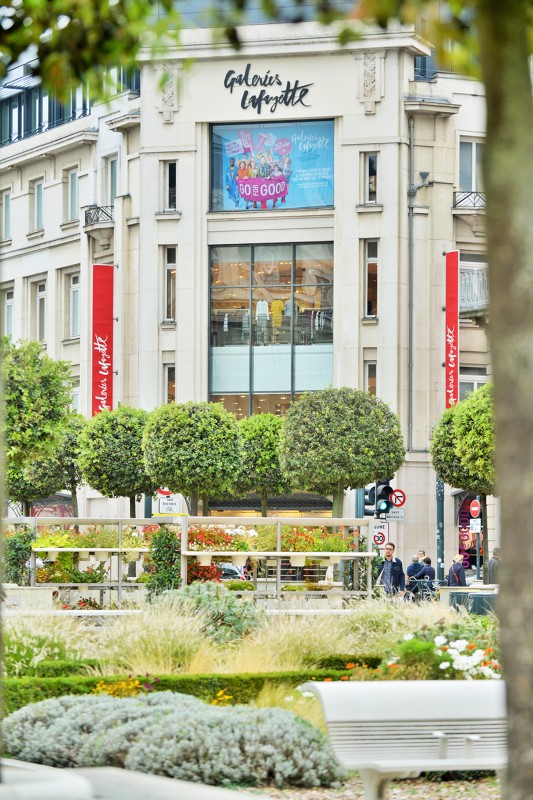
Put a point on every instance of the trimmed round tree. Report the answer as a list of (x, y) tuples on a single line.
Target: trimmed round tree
[(193, 448), (261, 465), (111, 455), (335, 439), (37, 397)]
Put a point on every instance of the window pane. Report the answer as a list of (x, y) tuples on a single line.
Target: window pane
[(113, 164), (314, 265), (271, 325), (171, 293), (236, 403), (271, 365), (74, 310), (371, 378), (8, 321), (6, 209), (171, 384), (372, 176), (271, 404), (73, 196), (230, 266), (171, 184), (371, 287), (272, 265), (479, 167), (465, 167)]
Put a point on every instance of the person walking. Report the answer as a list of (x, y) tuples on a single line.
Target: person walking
[(456, 573), (494, 565), (391, 576), (427, 570)]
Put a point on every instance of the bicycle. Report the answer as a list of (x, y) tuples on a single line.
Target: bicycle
[(421, 591)]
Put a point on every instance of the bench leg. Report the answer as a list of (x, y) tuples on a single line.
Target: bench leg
[(375, 784)]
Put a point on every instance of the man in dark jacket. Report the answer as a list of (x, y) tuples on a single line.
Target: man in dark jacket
[(427, 570), (390, 572)]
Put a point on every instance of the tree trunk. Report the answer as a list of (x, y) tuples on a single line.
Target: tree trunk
[(26, 508), (338, 501), (264, 504), (194, 504), (205, 505), (132, 507), (75, 507), (504, 30)]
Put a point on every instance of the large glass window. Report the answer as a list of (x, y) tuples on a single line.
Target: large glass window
[(470, 379), (272, 166), (271, 323)]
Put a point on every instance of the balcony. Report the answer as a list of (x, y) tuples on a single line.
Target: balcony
[(469, 201), (473, 291), (96, 215), (100, 224)]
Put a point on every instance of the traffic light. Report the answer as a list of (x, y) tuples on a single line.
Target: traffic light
[(370, 502), (383, 501)]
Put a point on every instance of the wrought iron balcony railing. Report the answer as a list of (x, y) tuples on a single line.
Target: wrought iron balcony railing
[(474, 289), (470, 200), (99, 214)]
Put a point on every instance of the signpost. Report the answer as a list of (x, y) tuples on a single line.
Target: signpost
[(379, 538), (380, 531), (475, 526), (396, 514)]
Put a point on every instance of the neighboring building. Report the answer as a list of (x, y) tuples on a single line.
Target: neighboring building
[(276, 220)]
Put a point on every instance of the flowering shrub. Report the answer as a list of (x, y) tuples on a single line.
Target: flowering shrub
[(197, 573), (219, 537), (467, 650), (129, 687), (65, 570), (300, 539), (94, 536), (297, 539)]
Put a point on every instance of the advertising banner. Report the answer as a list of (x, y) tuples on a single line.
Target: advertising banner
[(272, 165), (102, 338), (452, 328)]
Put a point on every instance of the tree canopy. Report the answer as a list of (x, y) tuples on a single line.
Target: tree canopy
[(261, 465), (111, 456), (339, 438), (37, 397), (193, 448)]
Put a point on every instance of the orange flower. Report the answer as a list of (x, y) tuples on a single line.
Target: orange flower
[(327, 680), (350, 665), (344, 677), (488, 650), (471, 647), (444, 647)]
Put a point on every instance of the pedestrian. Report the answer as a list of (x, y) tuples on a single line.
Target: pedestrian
[(494, 565), (456, 573), (421, 555), (391, 576), (413, 569), (427, 570)]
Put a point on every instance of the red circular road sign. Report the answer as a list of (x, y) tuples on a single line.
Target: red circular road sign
[(397, 497), (379, 537), (475, 508)]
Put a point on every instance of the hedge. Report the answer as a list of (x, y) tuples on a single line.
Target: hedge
[(20, 692)]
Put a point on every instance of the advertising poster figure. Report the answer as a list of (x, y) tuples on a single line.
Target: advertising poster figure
[(288, 165)]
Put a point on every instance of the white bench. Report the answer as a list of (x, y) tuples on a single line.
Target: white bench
[(398, 729)]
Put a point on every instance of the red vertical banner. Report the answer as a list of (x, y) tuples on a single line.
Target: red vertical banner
[(452, 328), (102, 338)]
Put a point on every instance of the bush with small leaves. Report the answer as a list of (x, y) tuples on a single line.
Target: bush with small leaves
[(226, 617), (174, 735)]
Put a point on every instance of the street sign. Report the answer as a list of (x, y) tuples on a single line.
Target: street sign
[(475, 526), (379, 528), (169, 504), (397, 498), (396, 514), (475, 509)]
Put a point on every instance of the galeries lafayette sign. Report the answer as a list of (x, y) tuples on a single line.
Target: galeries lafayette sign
[(265, 90)]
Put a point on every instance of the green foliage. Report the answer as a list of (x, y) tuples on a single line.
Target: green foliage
[(339, 438), (37, 400), (56, 668), (73, 40), (192, 448), (462, 449), (111, 457), (165, 558), (17, 551), (239, 586), (19, 692), (261, 469), (226, 618)]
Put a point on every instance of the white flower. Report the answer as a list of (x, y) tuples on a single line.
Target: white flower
[(460, 644), (308, 694), (439, 640), (408, 636), (444, 665)]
